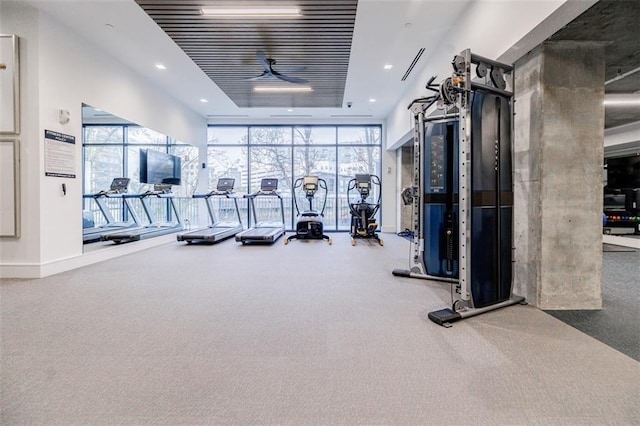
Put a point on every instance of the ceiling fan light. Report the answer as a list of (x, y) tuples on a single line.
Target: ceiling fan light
[(276, 89), (252, 12)]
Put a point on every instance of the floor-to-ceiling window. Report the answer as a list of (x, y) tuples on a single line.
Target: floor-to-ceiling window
[(333, 153)]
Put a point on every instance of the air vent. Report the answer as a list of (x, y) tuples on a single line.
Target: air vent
[(413, 64)]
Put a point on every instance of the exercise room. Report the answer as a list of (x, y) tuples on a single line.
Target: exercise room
[(301, 212)]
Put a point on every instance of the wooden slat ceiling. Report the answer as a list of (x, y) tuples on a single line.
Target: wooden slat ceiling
[(315, 46)]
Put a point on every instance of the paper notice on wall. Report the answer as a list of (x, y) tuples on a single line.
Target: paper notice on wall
[(59, 154)]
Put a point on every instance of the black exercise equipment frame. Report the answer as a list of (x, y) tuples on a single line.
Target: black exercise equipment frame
[(455, 96), (309, 224), (363, 222)]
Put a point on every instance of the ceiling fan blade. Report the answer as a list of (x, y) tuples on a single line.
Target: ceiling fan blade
[(266, 75), (269, 73), (264, 61), (294, 80)]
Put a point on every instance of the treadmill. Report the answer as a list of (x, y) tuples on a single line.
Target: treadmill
[(263, 232), (119, 187), (218, 230), (155, 228)]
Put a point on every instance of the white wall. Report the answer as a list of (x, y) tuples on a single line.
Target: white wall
[(61, 71), (26, 250), (502, 30), (389, 209)]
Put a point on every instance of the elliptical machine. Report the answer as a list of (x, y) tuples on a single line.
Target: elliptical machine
[(363, 221), (309, 225)]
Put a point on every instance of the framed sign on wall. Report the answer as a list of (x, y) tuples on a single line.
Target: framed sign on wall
[(10, 188), (9, 85)]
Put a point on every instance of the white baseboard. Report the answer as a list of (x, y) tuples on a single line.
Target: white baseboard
[(23, 270), (41, 270)]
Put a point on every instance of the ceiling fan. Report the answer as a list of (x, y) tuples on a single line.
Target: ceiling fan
[(270, 74)]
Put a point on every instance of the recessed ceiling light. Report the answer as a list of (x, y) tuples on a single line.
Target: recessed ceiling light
[(388, 66), (161, 67), (289, 110), (272, 89), (372, 100), (204, 101), (252, 11)]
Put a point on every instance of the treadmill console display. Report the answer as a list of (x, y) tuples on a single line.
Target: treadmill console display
[(120, 185), (225, 184), (162, 188), (269, 185)]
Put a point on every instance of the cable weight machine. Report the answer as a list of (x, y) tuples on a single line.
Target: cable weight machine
[(462, 193)]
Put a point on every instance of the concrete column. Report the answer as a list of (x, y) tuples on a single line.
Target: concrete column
[(558, 160)]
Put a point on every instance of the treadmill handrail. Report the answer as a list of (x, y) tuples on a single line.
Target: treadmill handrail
[(109, 194), (261, 193), (148, 194), (229, 194), (216, 193), (252, 206), (157, 194), (111, 222)]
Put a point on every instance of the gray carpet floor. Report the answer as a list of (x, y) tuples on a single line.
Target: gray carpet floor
[(301, 334), (618, 322)]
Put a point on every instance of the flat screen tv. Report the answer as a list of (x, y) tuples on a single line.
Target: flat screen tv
[(623, 172), (159, 167)]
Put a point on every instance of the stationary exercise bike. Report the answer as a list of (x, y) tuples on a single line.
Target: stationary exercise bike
[(363, 220), (309, 225)]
